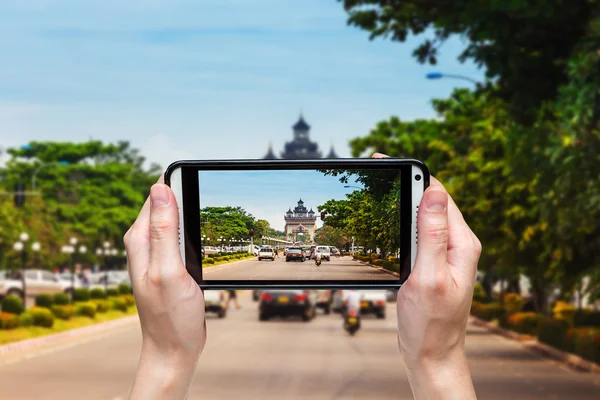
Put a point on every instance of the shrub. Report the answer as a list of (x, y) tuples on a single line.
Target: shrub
[(525, 322), (129, 299), (553, 332), (124, 289), (479, 294), (42, 317), (26, 319), (118, 303), (86, 309), (389, 265), (488, 312), (585, 343), (63, 312), (376, 262), (44, 300), (563, 310), (61, 299), (97, 293), (208, 261), (513, 303), (586, 318), (81, 294), (112, 292), (101, 305), (8, 320), (13, 305)]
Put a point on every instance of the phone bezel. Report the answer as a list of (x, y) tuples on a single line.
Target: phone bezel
[(189, 204)]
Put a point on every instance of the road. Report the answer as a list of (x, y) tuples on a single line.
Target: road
[(343, 268), (287, 359)]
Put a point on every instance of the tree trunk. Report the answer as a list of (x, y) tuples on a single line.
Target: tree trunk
[(540, 299)]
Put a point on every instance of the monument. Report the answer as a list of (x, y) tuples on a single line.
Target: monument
[(300, 223)]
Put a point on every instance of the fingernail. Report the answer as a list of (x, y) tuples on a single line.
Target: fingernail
[(159, 196), (436, 200)]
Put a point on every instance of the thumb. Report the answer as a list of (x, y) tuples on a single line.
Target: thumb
[(164, 227), (432, 227)]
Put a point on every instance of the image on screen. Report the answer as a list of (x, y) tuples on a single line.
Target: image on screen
[(274, 225)]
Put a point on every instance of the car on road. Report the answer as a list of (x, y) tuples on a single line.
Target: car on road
[(285, 303), (209, 250), (214, 301), (37, 281), (373, 302), (324, 300), (294, 254), (325, 252), (308, 252), (266, 252), (391, 295), (256, 294)]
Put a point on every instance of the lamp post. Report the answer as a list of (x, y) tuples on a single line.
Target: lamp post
[(35, 173), (20, 247), (70, 250), (439, 75)]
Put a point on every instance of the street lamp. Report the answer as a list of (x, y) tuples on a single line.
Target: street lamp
[(19, 247), (439, 75), (43, 165)]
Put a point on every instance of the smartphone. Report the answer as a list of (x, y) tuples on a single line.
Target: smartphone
[(259, 224)]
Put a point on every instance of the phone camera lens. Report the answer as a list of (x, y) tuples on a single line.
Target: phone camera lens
[(418, 177)]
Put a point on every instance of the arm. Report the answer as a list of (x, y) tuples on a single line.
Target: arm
[(166, 296)]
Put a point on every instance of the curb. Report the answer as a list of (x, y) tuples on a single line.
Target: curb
[(571, 360), (73, 333), (387, 271)]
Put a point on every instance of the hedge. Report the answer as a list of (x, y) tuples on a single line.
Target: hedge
[(8, 320), (585, 342), (44, 300), (81, 294), (62, 299), (97, 293), (513, 303), (41, 316), (488, 312), (525, 322), (112, 292), (87, 309), (129, 299), (25, 319), (63, 312), (124, 289), (479, 294), (102, 305), (13, 305), (118, 303), (586, 318), (553, 332)]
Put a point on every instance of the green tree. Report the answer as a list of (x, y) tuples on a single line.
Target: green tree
[(522, 45)]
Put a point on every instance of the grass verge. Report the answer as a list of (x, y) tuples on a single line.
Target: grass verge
[(31, 332)]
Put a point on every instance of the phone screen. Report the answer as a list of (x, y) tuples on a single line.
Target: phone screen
[(300, 225)]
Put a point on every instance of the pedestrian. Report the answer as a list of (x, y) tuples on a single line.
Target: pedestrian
[(433, 305), (276, 252), (231, 294)]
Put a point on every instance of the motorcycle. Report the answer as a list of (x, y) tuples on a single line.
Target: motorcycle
[(318, 262), (352, 322)]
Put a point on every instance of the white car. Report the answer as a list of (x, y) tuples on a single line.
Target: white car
[(325, 252), (266, 252), (373, 302), (37, 281)]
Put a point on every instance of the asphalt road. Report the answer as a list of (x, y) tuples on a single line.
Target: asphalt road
[(343, 268), (286, 359)]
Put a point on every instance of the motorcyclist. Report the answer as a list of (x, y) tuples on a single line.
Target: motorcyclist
[(352, 301), (318, 257)]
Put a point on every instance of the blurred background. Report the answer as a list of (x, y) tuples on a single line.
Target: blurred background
[(500, 99)]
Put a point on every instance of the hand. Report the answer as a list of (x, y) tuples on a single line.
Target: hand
[(170, 303), (433, 304)]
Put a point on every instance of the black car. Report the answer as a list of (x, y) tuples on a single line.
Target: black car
[(294, 254), (284, 303)]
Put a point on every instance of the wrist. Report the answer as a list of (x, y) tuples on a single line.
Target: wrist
[(441, 378), (163, 376)]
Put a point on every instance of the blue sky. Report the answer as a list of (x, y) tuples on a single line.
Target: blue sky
[(269, 194), (204, 79)]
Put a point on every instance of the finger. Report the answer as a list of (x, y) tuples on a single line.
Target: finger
[(432, 225), (164, 225), (137, 239), (379, 155)]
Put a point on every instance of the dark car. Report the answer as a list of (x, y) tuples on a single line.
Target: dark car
[(294, 254), (284, 303)]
